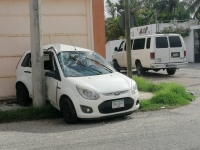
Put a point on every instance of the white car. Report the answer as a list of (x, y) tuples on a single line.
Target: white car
[(79, 83)]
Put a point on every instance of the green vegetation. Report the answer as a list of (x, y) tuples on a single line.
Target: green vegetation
[(168, 95), (149, 12), (29, 113)]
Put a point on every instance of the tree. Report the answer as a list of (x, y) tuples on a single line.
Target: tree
[(194, 7), (111, 9), (113, 29)]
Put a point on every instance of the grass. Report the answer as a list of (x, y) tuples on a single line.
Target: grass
[(29, 113), (168, 95)]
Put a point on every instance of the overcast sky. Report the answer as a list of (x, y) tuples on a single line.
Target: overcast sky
[(106, 14)]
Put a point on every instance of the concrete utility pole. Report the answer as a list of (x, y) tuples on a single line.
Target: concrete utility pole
[(128, 40), (38, 80)]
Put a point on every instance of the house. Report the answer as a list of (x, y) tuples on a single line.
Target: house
[(80, 20)]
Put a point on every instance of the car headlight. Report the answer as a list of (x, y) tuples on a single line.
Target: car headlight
[(87, 93), (134, 88)]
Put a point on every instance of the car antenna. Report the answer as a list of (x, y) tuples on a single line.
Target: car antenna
[(71, 43)]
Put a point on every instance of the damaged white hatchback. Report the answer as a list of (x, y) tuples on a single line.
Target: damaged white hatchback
[(80, 83)]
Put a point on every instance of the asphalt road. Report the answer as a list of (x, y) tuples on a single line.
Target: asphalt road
[(177, 129)]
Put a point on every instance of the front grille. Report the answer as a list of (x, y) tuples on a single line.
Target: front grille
[(106, 107)]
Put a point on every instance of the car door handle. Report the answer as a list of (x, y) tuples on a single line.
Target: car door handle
[(27, 71)]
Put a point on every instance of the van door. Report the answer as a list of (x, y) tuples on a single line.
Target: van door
[(176, 49), (162, 51), (119, 54)]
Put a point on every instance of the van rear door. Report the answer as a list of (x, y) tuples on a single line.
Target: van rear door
[(162, 51), (176, 48)]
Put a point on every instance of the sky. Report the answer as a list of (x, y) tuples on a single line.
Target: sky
[(106, 14)]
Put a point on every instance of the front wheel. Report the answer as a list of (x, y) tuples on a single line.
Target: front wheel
[(116, 66), (68, 110), (171, 71)]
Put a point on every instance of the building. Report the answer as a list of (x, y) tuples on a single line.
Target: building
[(80, 20), (192, 41)]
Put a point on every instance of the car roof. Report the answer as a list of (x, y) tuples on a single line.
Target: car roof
[(62, 47)]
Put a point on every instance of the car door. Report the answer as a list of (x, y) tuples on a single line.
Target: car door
[(52, 78), (27, 73), (162, 50), (176, 49)]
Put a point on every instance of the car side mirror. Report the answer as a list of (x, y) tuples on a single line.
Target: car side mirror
[(50, 74), (116, 49)]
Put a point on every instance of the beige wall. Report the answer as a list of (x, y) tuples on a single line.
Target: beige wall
[(59, 19)]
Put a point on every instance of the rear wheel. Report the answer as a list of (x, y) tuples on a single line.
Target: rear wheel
[(22, 95), (140, 69), (171, 71), (68, 110), (116, 66)]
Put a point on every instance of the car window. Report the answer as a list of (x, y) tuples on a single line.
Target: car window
[(148, 43), (26, 61), (161, 42), (139, 44), (122, 46), (175, 41)]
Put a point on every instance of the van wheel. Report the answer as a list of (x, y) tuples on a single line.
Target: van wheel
[(68, 110), (171, 71), (22, 95), (116, 66), (140, 69)]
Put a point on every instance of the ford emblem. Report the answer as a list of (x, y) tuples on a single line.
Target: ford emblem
[(117, 93)]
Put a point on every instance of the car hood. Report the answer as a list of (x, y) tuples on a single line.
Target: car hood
[(104, 83)]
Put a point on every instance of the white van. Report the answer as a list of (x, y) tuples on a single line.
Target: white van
[(152, 52)]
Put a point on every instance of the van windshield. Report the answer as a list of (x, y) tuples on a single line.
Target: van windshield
[(83, 63)]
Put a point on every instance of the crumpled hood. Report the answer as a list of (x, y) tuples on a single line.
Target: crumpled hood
[(104, 83)]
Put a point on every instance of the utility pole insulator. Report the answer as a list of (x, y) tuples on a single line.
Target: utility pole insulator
[(37, 60)]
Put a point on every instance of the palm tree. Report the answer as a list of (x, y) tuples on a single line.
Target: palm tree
[(113, 29), (194, 7), (111, 9)]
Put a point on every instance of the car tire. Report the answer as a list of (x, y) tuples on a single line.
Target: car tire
[(140, 69), (116, 66), (156, 70), (22, 95), (171, 71), (68, 110)]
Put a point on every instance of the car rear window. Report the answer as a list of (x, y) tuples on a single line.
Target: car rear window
[(175, 41), (139, 44), (161, 42)]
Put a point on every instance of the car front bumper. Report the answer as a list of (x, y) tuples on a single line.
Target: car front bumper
[(105, 100)]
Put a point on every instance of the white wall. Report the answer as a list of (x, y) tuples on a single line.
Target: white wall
[(189, 43), (60, 19), (110, 45)]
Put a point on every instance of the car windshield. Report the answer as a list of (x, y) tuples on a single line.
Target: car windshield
[(83, 63)]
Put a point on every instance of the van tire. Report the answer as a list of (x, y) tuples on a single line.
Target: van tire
[(116, 65), (171, 71), (68, 110), (22, 95), (140, 69)]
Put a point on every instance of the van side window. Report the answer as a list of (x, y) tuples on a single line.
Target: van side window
[(26, 61), (161, 42), (121, 46), (139, 44), (148, 43), (175, 41)]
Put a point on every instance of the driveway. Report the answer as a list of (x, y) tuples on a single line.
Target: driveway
[(176, 129)]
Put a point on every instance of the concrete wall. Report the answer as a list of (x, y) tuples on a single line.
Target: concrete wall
[(60, 19)]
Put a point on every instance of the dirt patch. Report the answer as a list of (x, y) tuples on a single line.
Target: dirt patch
[(145, 95)]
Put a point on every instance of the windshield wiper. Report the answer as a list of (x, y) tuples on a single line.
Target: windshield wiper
[(81, 64), (104, 67)]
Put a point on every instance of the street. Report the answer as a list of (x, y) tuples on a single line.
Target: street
[(175, 129)]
